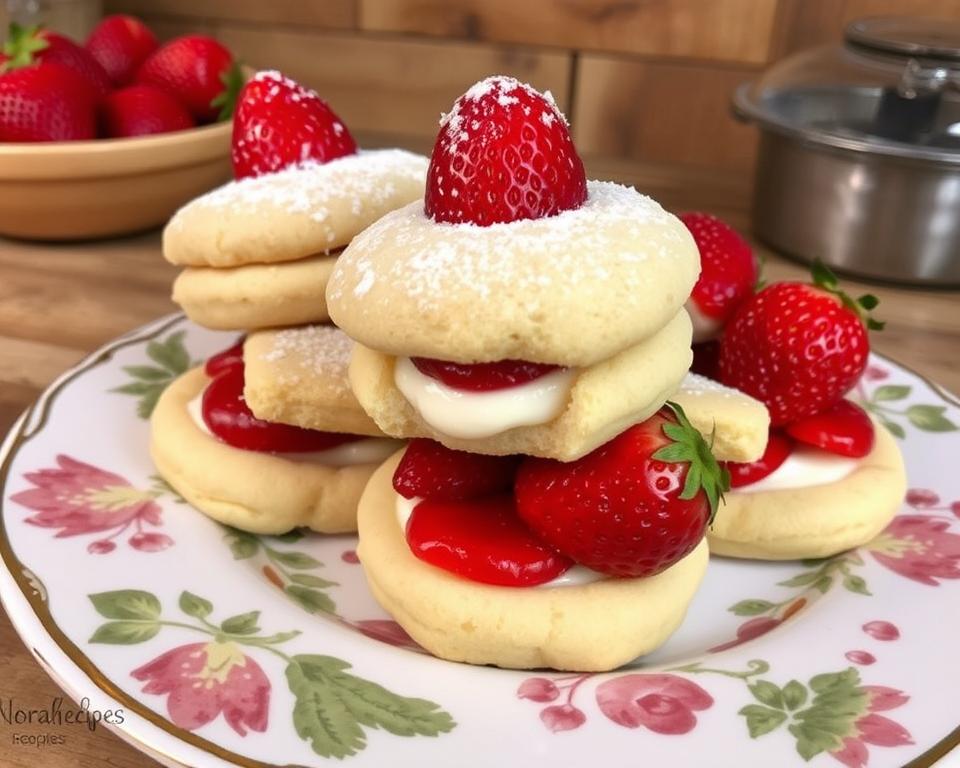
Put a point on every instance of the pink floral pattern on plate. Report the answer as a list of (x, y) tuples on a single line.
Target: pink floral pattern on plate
[(201, 680), (882, 630), (871, 728), (663, 703), (81, 499), (330, 709), (919, 547)]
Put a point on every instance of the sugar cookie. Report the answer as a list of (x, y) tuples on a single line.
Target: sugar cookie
[(815, 520), (592, 627), (302, 211), (256, 295), (298, 376), (572, 289), (257, 492)]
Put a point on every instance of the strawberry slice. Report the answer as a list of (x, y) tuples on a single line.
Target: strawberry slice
[(634, 506), (798, 348), (223, 360), (844, 429), (728, 274), (504, 153), (279, 123), (482, 377), (779, 447), (227, 416), (431, 471), (482, 540)]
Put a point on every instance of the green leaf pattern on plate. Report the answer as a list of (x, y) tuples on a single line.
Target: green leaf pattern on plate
[(285, 568), (148, 381), (331, 707), (885, 403)]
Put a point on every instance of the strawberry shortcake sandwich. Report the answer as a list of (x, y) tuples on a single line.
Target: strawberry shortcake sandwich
[(269, 476), (527, 328), (831, 477), (258, 251), (518, 308)]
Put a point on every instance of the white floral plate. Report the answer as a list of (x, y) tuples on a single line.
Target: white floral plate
[(222, 648)]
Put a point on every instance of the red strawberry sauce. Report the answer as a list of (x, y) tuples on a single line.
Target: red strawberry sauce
[(226, 414), (482, 540), (483, 377)]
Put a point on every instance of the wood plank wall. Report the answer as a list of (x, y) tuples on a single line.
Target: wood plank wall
[(645, 83)]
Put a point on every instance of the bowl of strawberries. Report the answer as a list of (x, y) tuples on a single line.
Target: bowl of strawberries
[(112, 136)]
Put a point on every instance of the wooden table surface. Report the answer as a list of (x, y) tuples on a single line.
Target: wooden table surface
[(59, 302)]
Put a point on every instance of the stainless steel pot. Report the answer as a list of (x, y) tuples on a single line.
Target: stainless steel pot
[(859, 161)]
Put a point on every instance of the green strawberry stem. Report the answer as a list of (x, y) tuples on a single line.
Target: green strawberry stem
[(704, 472), (233, 81), (824, 278), (22, 43)]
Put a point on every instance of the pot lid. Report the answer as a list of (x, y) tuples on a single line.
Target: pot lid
[(893, 88), (904, 36)]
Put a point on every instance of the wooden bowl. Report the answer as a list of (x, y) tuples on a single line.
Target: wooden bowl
[(73, 190)]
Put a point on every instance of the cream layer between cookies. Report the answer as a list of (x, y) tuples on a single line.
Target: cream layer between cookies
[(736, 423), (469, 415), (573, 414), (805, 467)]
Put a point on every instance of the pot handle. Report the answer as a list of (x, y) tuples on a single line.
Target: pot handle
[(740, 105)]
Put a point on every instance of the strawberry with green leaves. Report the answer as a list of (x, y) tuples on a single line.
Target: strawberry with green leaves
[(797, 347), (634, 506), (28, 46)]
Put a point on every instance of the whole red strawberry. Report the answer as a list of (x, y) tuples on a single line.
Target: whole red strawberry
[(45, 102), (798, 348), (728, 274), (279, 123), (197, 71), (139, 110), (634, 506), (30, 45), (431, 471), (121, 44), (503, 154)]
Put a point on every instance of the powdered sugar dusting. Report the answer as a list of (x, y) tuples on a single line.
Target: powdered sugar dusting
[(420, 259), (695, 384), (502, 88), (316, 349), (366, 179)]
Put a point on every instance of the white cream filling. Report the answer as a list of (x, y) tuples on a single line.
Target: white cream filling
[(572, 577), (471, 415), (369, 450), (705, 328), (805, 467)]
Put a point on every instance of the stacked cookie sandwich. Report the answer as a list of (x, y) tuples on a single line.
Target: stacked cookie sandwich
[(527, 327), (233, 437)]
